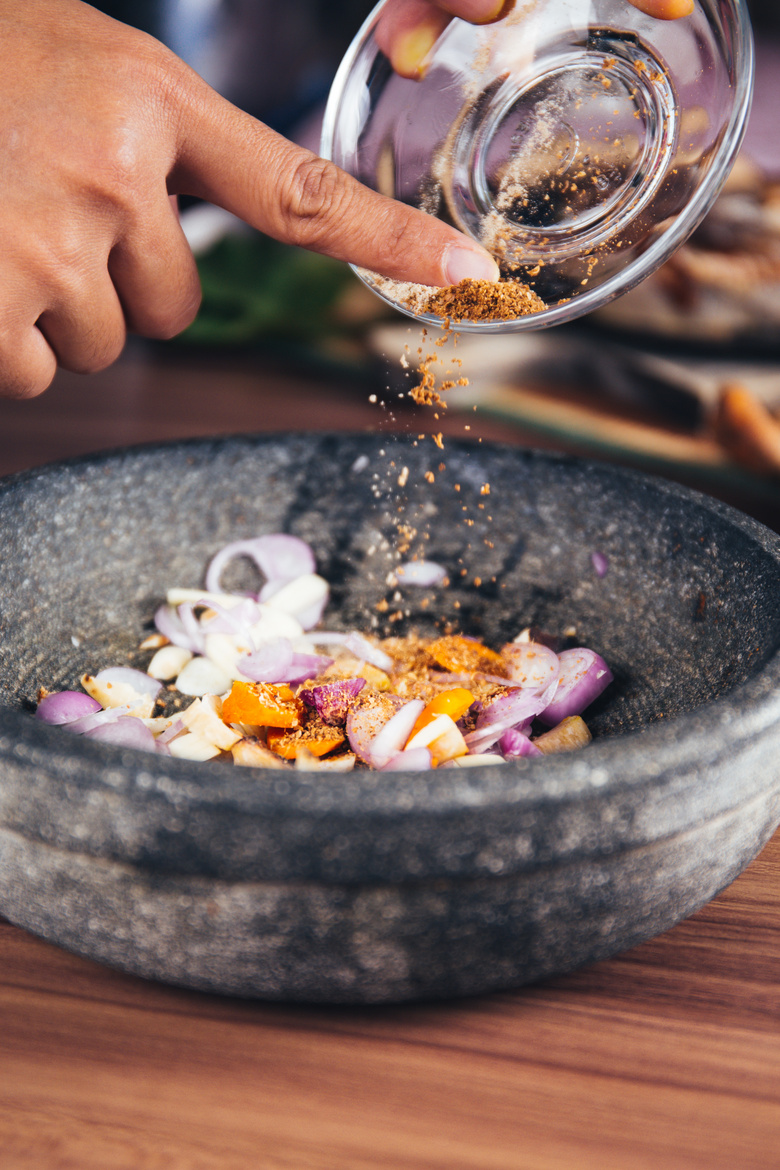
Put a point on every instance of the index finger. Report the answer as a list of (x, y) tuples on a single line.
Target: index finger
[(230, 159)]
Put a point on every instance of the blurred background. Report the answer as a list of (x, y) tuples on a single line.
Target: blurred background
[(651, 377)]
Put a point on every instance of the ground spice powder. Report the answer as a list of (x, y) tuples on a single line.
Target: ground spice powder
[(484, 300)]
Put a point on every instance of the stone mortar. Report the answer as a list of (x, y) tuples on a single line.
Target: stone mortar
[(368, 887)]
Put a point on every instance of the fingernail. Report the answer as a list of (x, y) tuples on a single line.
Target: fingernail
[(498, 12), (412, 49), (467, 263), (665, 9)]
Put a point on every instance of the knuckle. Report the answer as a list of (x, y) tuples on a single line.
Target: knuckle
[(24, 372), (173, 316), (401, 234), (84, 343), (117, 178), (19, 385), (64, 259), (124, 153), (99, 353), (314, 197)]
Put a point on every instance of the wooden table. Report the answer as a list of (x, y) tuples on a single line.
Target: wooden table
[(665, 1058)]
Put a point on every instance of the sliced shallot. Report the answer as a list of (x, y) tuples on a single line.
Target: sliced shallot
[(66, 707), (526, 707), (237, 619), (584, 675), (420, 573), (362, 648), (356, 644), (600, 563), (332, 701), (191, 625), (305, 666), (510, 710), (269, 663), (531, 664), (364, 722), (89, 722), (393, 735), (414, 760), (276, 555), (170, 625), (125, 732), (514, 744)]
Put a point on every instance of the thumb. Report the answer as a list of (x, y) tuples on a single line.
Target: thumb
[(228, 158)]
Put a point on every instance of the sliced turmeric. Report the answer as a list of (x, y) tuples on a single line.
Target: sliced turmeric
[(263, 705), (454, 703), (288, 744), (461, 655)]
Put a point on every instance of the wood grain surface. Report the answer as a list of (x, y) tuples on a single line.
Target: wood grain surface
[(664, 1058)]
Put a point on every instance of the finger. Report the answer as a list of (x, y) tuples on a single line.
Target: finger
[(84, 324), (232, 160), (664, 9), (407, 30), (27, 362), (155, 274), (406, 33), (477, 11)]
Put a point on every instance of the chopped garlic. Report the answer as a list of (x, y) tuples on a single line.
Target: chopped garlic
[(307, 762), (201, 676), (204, 718), (250, 753), (110, 694), (176, 597), (275, 623), (168, 662), (192, 747), (154, 642), (300, 595), (224, 650)]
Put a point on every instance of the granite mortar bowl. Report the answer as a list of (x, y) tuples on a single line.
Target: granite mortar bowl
[(372, 887)]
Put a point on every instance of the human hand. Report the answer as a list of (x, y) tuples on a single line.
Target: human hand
[(100, 126), (408, 29)]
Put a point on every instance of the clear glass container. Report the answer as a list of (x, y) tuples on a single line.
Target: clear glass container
[(580, 141)]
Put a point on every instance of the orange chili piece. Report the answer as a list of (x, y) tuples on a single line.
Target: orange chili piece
[(262, 705), (287, 744), (454, 703), (461, 655)]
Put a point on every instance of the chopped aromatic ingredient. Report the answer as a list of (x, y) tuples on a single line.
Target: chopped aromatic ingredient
[(403, 703)]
